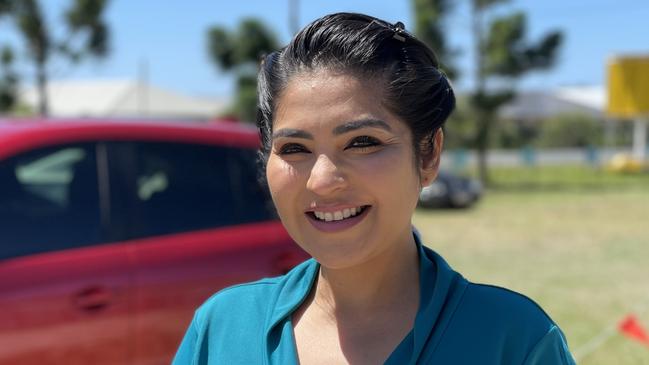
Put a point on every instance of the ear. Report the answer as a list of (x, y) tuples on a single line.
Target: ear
[(430, 161)]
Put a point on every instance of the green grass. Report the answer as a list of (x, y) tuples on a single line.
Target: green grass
[(581, 251), (565, 177)]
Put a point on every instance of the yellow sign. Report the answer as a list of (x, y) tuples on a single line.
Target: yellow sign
[(628, 87)]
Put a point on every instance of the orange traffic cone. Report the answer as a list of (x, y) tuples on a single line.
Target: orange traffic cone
[(631, 328)]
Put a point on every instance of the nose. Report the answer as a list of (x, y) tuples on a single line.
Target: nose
[(325, 177)]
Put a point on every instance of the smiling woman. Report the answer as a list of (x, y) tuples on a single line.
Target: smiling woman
[(350, 117), (331, 144)]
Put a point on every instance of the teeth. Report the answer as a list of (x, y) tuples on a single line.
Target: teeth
[(328, 217), (338, 215)]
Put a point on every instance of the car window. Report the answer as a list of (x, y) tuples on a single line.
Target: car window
[(49, 200), (180, 188), (253, 200)]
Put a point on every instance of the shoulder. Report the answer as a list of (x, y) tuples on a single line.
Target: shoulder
[(250, 301), (227, 321), (239, 317), (503, 327), (235, 298), (511, 317), (504, 319), (241, 294), (505, 306), (500, 326), (488, 305)]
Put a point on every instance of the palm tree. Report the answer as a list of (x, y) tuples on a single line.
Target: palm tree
[(87, 35), (240, 52), (503, 54)]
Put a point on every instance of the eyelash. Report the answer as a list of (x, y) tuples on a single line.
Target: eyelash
[(291, 148), (361, 143)]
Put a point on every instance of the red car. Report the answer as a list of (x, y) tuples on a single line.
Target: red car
[(113, 232)]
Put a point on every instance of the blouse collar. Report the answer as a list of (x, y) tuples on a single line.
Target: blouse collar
[(440, 291)]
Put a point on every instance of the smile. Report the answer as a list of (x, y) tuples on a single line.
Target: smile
[(338, 220), (338, 215)]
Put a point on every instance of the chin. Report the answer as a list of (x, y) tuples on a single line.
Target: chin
[(340, 255)]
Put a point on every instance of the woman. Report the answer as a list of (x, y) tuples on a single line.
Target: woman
[(350, 117)]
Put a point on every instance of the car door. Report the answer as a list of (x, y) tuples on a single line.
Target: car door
[(200, 224), (64, 290)]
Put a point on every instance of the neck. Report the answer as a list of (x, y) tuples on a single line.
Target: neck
[(385, 283)]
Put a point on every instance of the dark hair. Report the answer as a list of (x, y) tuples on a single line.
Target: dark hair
[(415, 89)]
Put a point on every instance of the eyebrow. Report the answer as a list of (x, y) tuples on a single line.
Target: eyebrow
[(363, 123), (341, 129), (292, 133)]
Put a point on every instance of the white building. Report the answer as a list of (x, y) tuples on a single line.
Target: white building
[(540, 105), (122, 99)]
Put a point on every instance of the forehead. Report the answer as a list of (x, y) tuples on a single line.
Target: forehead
[(323, 98)]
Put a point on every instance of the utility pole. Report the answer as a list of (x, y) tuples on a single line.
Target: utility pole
[(482, 137), (142, 98), (640, 139), (293, 16)]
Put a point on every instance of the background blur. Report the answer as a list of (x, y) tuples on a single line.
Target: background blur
[(564, 212)]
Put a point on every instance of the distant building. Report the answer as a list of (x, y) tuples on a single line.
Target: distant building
[(534, 106), (122, 99)]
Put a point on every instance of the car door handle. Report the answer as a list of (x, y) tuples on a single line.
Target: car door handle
[(93, 299)]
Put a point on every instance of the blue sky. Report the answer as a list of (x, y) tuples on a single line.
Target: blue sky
[(169, 37)]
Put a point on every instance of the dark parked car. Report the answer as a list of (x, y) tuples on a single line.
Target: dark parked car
[(112, 233), (450, 191)]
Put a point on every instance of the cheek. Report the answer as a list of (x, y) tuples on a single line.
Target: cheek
[(394, 179), (394, 168), (282, 179)]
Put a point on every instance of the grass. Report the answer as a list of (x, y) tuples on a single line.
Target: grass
[(582, 254), (564, 178)]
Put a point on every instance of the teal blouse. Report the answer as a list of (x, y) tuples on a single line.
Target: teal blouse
[(458, 322)]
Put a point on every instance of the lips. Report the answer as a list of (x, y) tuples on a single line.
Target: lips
[(338, 215), (339, 219)]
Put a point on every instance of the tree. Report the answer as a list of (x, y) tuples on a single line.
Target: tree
[(8, 80), (459, 129), (87, 34), (240, 52), (5, 7), (502, 55), (571, 130), (429, 20)]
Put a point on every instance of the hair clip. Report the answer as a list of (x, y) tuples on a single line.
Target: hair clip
[(399, 31)]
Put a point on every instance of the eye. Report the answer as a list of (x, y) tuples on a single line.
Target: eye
[(292, 148), (363, 142)]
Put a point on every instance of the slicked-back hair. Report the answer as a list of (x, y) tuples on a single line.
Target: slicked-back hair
[(414, 88)]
